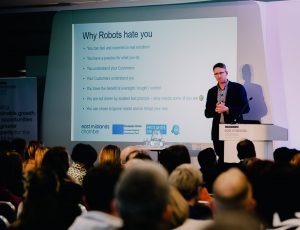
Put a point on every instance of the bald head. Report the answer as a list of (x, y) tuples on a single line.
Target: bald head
[(233, 191), (127, 151)]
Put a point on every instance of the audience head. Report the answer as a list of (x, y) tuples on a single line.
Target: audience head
[(207, 158), (174, 156), (110, 154), (57, 159), (98, 186), (139, 154), (245, 149), (84, 154), (188, 180), (31, 148), (40, 205), (284, 155), (232, 191), (132, 149), (40, 183), (39, 155), (271, 182), (142, 196)]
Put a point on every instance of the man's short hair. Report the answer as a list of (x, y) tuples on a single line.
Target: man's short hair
[(220, 65), (245, 149), (142, 194), (187, 179), (99, 184)]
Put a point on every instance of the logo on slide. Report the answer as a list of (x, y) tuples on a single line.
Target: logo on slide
[(175, 130)]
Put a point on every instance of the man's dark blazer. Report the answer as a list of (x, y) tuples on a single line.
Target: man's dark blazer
[(236, 101)]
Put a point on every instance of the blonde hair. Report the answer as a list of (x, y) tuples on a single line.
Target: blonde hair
[(180, 208), (110, 154), (187, 179), (39, 155)]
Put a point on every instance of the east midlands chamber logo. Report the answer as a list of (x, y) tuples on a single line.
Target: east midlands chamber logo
[(93, 128)]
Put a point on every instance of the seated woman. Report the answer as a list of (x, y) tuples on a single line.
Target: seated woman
[(40, 209), (70, 194), (83, 156)]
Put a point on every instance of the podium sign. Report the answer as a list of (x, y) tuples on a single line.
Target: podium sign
[(262, 135)]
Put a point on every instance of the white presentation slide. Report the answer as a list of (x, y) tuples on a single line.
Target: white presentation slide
[(130, 79)]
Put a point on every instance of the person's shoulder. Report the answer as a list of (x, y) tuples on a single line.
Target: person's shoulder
[(213, 88), (235, 85)]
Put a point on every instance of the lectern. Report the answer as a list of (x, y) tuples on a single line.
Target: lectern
[(262, 135)]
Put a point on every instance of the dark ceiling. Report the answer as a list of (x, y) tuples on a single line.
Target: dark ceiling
[(23, 34)]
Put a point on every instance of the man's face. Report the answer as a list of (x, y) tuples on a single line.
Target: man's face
[(220, 75)]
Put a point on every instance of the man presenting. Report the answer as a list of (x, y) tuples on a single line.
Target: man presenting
[(225, 103)]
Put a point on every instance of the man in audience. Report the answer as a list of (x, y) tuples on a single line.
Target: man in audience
[(189, 182), (174, 156), (131, 149), (209, 168), (246, 153), (284, 155), (98, 200), (142, 196), (233, 192)]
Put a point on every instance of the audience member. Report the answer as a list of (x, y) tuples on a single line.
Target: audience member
[(260, 177), (143, 155), (207, 160), (98, 199), (39, 155), (174, 156), (189, 182), (83, 156), (110, 154), (233, 192), (246, 153), (142, 196), (274, 190), (40, 206), (29, 161), (245, 149), (70, 193), (284, 155), (127, 151)]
